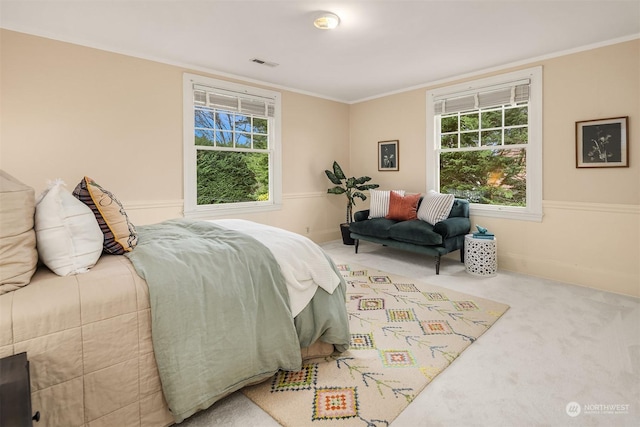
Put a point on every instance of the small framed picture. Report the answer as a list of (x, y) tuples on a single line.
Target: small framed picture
[(602, 143), (388, 155)]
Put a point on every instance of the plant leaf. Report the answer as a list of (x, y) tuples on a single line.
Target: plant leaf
[(363, 179), (336, 190), (367, 187), (338, 171), (360, 195), (332, 177)]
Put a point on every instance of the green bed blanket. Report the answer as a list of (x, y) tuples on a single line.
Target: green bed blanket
[(220, 314)]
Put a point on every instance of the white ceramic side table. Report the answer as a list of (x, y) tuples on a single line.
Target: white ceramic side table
[(480, 256)]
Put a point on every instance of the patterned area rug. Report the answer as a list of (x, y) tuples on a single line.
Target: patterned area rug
[(403, 334)]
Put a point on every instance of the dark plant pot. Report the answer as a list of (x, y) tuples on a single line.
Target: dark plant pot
[(346, 234)]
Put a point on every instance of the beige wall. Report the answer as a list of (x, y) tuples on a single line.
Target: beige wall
[(70, 111), (590, 233), (67, 111)]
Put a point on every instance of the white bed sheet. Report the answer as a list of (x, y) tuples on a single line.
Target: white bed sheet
[(302, 262)]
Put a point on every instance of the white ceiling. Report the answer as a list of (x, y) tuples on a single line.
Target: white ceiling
[(380, 47)]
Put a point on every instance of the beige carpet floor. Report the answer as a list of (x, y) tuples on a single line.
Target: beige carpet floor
[(558, 343), (403, 334)]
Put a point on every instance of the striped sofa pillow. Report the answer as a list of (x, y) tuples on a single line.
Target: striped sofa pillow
[(379, 205), (435, 207)]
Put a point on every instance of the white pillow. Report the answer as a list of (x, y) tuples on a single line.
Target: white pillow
[(379, 204), (69, 239), (435, 207)]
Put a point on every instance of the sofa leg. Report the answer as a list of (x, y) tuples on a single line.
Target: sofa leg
[(462, 255), (357, 244), (438, 264)]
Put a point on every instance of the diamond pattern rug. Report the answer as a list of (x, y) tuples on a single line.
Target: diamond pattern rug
[(403, 334)]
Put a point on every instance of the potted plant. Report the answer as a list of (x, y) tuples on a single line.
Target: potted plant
[(352, 187)]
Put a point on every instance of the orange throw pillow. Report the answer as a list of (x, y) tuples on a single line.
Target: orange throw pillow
[(403, 208)]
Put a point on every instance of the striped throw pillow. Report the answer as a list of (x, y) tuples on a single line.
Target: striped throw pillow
[(120, 234), (435, 207), (379, 205)]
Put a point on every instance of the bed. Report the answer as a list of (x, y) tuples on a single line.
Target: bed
[(172, 327)]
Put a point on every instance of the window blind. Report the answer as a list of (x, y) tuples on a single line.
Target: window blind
[(512, 93), (232, 101)]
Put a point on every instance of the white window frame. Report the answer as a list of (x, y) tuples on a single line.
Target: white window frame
[(191, 207), (533, 210)]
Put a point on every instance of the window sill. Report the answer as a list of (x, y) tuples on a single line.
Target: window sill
[(220, 211), (518, 214)]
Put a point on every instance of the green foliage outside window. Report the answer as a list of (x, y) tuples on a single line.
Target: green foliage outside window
[(232, 177), (495, 177), (476, 162)]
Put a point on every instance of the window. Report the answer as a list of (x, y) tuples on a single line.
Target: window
[(485, 144), (232, 159)]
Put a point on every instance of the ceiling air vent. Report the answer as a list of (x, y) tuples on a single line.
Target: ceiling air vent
[(263, 62)]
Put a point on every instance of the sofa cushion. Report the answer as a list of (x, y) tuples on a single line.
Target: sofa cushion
[(120, 234), (435, 207), (378, 227), (403, 208), (18, 255), (453, 227), (69, 237), (415, 231), (379, 204), (460, 208)]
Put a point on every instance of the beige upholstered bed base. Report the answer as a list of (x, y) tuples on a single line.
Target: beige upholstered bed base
[(88, 341)]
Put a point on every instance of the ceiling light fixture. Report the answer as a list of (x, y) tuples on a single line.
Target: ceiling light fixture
[(326, 21)]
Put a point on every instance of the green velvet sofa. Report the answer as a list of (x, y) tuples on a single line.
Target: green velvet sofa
[(416, 235)]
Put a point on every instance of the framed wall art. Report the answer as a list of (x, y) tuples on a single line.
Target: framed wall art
[(388, 155), (602, 143)]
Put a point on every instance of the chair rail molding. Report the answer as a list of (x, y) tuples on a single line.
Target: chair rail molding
[(592, 207)]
